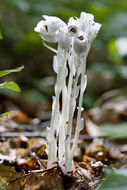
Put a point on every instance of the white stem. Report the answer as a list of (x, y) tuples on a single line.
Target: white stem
[(61, 151), (83, 70), (52, 154), (69, 111), (71, 89), (53, 141)]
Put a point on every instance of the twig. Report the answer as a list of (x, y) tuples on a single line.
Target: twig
[(33, 172), (39, 135), (26, 127), (26, 134)]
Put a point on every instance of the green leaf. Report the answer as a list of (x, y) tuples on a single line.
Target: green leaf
[(112, 47), (1, 36), (116, 58), (6, 72), (115, 130), (10, 85), (6, 114), (115, 180), (34, 96)]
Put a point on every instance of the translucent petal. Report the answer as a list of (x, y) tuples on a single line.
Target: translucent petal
[(73, 26), (53, 23), (73, 22), (49, 28), (81, 43), (85, 19), (39, 26), (94, 31), (64, 39)]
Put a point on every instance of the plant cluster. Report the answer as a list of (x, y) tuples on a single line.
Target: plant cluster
[(74, 40)]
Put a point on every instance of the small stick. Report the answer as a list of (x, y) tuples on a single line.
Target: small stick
[(40, 135), (31, 172)]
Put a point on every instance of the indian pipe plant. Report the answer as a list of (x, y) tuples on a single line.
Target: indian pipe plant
[(74, 40)]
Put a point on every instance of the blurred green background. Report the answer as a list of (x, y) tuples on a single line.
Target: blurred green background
[(20, 45)]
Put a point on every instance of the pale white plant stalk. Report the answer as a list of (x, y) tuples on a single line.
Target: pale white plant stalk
[(57, 120), (55, 115), (74, 40), (62, 129)]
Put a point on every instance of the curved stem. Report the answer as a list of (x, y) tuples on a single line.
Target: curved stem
[(53, 126), (83, 70), (74, 82)]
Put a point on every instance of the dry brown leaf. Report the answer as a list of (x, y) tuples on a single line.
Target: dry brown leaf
[(20, 117)]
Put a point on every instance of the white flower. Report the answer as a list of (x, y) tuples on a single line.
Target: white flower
[(53, 23), (85, 19), (81, 43), (74, 40), (49, 28), (73, 26), (53, 29), (64, 39), (88, 26), (92, 31)]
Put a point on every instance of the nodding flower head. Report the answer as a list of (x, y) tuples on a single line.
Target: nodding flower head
[(49, 28), (81, 43), (88, 26), (52, 23), (94, 31), (64, 39), (53, 29), (84, 20), (73, 27)]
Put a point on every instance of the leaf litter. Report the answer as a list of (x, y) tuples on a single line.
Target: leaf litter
[(23, 157)]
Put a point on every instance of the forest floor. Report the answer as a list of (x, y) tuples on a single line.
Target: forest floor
[(23, 157)]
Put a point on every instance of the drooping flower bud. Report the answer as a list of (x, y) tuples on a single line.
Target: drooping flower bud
[(85, 19), (53, 23), (64, 39), (73, 27), (81, 43), (49, 28), (94, 31)]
